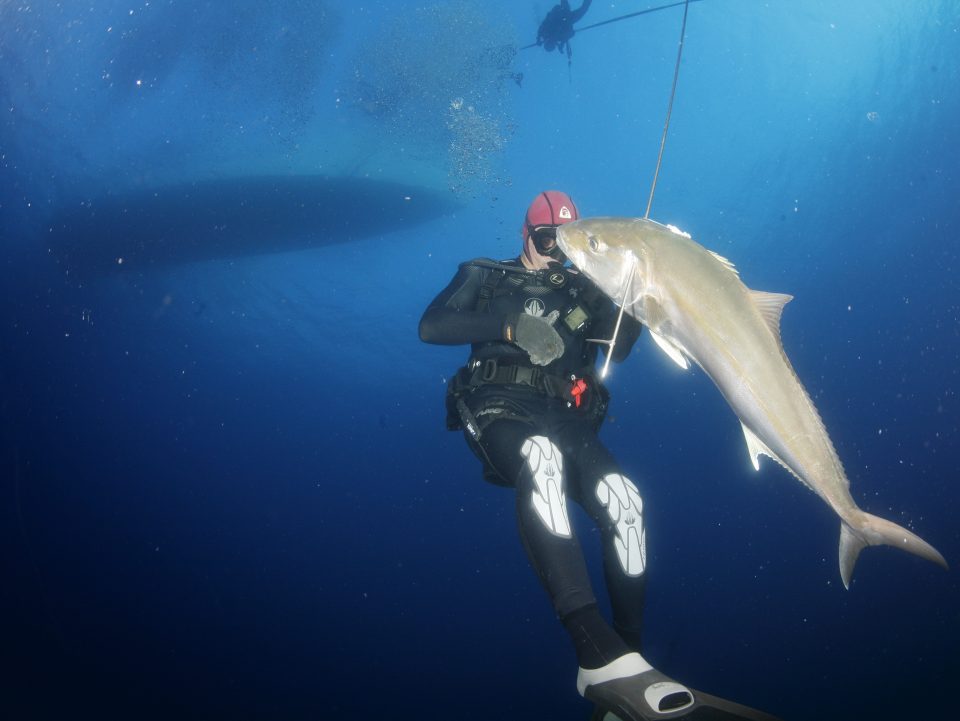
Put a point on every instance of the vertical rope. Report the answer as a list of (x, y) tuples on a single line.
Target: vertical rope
[(666, 124)]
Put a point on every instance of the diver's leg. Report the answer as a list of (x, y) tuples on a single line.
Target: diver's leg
[(624, 552), (527, 456), (614, 503), (611, 675), (627, 684)]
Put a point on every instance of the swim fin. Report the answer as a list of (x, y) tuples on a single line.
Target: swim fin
[(651, 696)]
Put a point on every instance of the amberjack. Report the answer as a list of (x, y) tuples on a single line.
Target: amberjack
[(697, 309)]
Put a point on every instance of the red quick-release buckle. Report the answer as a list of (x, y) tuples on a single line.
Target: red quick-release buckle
[(578, 388)]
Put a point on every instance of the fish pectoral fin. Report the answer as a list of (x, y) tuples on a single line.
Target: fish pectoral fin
[(671, 349), (770, 306), (757, 448)]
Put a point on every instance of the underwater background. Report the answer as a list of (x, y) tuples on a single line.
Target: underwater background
[(227, 490)]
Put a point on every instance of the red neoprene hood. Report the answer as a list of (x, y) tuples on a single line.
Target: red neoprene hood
[(551, 207)]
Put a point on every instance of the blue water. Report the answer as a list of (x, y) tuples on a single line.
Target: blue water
[(227, 488)]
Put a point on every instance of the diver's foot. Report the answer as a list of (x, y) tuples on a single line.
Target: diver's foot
[(633, 690)]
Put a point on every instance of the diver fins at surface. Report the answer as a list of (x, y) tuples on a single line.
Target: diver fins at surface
[(649, 696)]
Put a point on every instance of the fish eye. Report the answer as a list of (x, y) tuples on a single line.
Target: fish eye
[(593, 243)]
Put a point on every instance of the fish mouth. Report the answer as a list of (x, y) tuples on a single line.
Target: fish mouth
[(576, 257)]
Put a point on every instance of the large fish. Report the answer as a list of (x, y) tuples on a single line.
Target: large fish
[(697, 308)]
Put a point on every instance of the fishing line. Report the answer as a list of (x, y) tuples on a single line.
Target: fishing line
[(633, 15), (673, 88), (666, 124), (612, 343)]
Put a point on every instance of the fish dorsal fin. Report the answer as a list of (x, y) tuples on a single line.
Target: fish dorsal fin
[(724, 262), (770, 306), (671, 349)]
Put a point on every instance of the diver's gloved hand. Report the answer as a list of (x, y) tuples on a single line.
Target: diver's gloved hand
[(537, 336)]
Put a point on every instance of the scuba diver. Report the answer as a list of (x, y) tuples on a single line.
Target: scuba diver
[(556, 30), (530, 405)]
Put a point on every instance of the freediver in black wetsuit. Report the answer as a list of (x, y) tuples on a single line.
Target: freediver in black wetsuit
[(556, 30), (530, 405)]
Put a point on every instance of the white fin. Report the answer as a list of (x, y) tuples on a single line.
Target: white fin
[(757, 448), (726, 263), (770, 306), (671, 350)]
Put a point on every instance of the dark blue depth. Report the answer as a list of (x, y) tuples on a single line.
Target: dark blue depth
[(227, 491)]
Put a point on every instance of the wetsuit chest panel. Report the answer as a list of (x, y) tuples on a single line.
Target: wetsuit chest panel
[(543, 293), (529, 296)]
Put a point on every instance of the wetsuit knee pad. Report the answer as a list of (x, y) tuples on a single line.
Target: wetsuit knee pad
[(621, 499), (546, 468)]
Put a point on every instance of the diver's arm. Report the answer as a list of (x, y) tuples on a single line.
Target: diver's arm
[(580, 11), (451, 319)]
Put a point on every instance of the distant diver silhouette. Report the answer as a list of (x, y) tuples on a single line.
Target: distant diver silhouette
[(556, 30), (556, 25)]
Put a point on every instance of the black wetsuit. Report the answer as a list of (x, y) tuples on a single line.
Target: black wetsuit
[(556, 30), (501, 401)]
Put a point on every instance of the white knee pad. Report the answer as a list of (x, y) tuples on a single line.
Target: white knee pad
[(549, 500), (625, 507)]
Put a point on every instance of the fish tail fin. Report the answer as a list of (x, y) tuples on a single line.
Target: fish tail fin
[(869, 530)]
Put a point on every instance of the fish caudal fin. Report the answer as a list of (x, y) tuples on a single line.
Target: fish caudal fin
[(870, 530)]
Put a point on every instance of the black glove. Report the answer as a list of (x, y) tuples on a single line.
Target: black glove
[(536, 335)]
